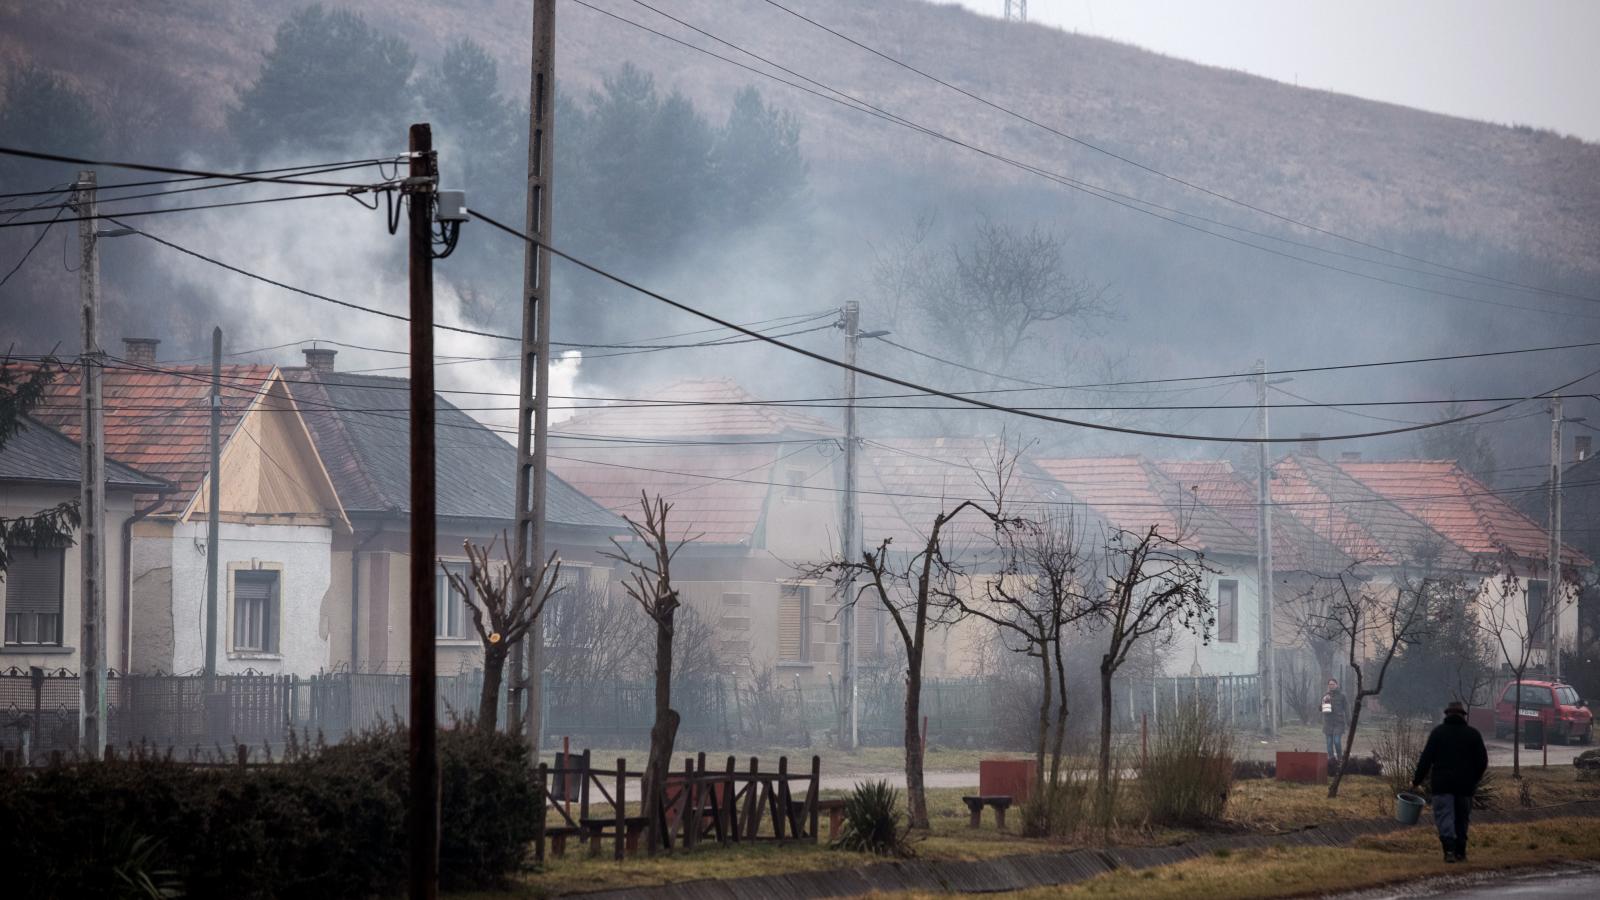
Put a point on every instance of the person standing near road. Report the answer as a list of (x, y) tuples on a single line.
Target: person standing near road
[(1335, 719), (1456, 759)]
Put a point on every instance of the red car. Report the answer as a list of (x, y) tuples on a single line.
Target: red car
[(1555, 705)]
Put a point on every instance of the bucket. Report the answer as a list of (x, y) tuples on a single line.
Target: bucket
[(1408, 808)]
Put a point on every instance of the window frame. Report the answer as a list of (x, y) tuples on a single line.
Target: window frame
[(271, 642), (443, 592), (1538, 638), (7, 635), (1232, 636), (803, 593)]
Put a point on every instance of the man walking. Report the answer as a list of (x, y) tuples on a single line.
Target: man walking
[(1335, 720), (1456, 758)]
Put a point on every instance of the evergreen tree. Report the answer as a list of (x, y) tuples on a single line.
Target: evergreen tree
[(756, 162), (1464, 442), (42, 111), (329, 80)]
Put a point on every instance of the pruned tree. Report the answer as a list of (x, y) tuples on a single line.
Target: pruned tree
[(505, 601), (1037, 596), (1154, 583), (1517, 627), (917, 591), (1373, 625), (649, 583)]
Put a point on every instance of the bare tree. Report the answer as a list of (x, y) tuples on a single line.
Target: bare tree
[(505, 602), (1373, 625), (1035, 598), (649, 583), (1154, 583), (1516, 629)]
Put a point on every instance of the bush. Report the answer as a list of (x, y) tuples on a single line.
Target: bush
[(1059, 807), (327, 822), (1397, 749), (872, 821), (1189, 772), (1250, 769)]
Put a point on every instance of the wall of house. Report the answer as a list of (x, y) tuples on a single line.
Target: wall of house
[(1217, 657), (151, 570), (302, 556), (802, 526), (19, 500)]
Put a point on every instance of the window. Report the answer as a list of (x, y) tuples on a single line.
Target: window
[(796, 487), (869, 630), (1534, 695), (1227, 611), (1567, 695), (1538, 628), (34, 585), (255, 611), (735, 612), (794, 623), (450, 606)]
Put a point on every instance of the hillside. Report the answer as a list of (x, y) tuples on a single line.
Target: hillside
[(1365, 168)]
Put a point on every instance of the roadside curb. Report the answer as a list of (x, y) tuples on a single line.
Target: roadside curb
[(1027, 870)]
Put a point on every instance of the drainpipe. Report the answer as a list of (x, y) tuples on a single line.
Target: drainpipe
[(355, 595), (127, 580)]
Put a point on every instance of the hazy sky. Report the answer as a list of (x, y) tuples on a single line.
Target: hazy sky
[(1535, 62)]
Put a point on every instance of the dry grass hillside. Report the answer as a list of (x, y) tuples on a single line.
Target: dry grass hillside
[(1358, 166)]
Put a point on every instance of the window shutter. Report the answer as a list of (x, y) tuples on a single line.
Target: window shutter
[(33, 581), (1227, 611), (866, 629), (791, 625)]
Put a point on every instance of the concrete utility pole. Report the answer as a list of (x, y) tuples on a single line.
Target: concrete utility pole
[(1268, 679), (214, 513), (849, 537), (91, 534), (1017, 9), (1552, 593), (423, 825), (533, 401)]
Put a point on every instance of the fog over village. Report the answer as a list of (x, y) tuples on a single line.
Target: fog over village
[(798, 448)]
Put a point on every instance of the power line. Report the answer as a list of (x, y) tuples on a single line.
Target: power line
[(133, 184), (174, 170), (31, 247), (176, 209), (1127, 201), (340, 167), (1166, 175), (973, 401)]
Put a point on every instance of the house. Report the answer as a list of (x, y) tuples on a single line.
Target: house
[(359, 424), (279, 514), (1580, 529), (40, 591), (755, 490)]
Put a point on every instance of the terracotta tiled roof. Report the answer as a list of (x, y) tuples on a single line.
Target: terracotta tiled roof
[(1295, 547), (1135, 494), (1458, 506), (730, 413), (158, 421), (1367, 526), (718, 494), (917, 478)]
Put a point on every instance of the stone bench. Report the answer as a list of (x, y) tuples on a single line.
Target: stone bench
[(998, 802)]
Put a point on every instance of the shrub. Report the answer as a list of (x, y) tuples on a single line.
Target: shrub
[(1189, 772), (1059, 807), (1397, 749), (326, 822), (1250, 769), (872, 821)]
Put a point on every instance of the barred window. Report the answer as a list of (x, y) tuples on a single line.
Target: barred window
[(34, 584), (255, 610)]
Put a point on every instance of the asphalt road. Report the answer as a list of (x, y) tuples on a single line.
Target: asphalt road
[(1557, 885)]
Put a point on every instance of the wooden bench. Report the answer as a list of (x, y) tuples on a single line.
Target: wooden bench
[(600, 829), (998, 802), (558, 838), (835, 811)]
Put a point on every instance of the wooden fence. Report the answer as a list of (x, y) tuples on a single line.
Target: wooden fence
[(723, 805)]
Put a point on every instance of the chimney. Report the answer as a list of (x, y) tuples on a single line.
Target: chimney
[(1350, 456), (1581, 448), (319, 359), (1308, 442), (140, 350)]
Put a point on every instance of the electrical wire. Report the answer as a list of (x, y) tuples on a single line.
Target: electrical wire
[(159, 181), (31, 247), (1166, 175), (175, 170), (973, 401), (337, 167), (176, 209)]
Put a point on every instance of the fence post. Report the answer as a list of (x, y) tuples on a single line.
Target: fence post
[(544, 810), (622, 804), (811, 795), (691, 806), (583, 785), (725, 808)]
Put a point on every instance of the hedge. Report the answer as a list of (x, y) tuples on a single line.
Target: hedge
[(327, 822)]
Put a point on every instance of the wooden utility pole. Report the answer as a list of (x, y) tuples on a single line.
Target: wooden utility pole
[(424, 813), (1552, 592), (214, 513), (1268, 677), (91, 535), (849, 537), (533, 405)]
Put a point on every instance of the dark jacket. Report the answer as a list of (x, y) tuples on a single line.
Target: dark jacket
[(1337, 721), (1455, 756)]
